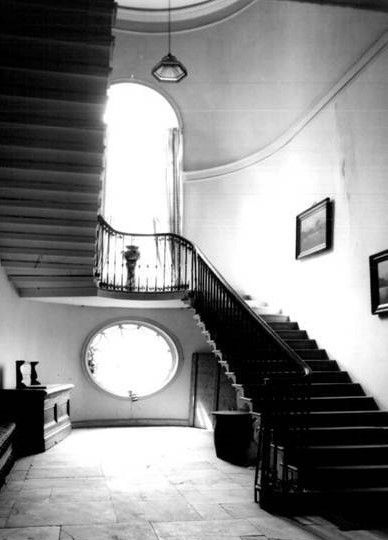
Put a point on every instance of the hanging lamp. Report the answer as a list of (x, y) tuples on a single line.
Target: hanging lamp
[(169, 69)]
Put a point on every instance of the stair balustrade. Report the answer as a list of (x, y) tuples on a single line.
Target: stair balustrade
[(152, 263), (142, 263)]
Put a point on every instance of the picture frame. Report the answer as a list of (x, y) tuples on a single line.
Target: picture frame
[(378, 265), (314, 229)]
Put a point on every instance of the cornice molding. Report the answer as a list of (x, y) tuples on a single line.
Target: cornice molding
[(283, 140), (191, 17)]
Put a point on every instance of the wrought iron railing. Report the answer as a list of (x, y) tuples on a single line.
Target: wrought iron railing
[(148, 263), (168, 262), (281, 388)]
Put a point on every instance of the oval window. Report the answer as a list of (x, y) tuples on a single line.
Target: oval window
[(131, 359)]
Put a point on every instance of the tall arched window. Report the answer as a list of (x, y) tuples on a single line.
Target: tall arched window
[(143, 167)]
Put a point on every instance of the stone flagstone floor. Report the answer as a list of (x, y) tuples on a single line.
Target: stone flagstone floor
[(143, 484)]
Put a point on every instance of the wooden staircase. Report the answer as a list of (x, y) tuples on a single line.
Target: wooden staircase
[(54, 64), (345, 457)]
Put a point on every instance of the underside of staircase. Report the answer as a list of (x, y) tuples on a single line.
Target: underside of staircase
[(54, 63), (343, 464)]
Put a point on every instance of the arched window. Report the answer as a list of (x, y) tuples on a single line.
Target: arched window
[(131, 359), (143, 167)]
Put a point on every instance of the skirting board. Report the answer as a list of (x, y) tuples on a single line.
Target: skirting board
[(130, 422)]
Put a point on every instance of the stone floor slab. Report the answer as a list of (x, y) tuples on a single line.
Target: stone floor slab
[(205, 529), (30, 533), (154, 510), (58, 494), (244, 510), (61, 513), (164, 481), (136, 530), (72, 483), (218, 496), (210, 511), (64, 472), (280, 529)]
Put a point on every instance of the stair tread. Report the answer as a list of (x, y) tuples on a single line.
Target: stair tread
[(346, 446), (340, 397), (359, 467), (314, 384), (340, 428), (352, 412)]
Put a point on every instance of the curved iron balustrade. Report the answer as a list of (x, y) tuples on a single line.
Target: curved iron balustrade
[(167, 262), (148, 263)]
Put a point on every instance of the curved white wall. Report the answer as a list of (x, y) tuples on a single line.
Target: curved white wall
[(53, 335), (251, 76), (245, 223)]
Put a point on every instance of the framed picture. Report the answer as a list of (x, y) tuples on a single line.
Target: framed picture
[(314, 228), (378, 265)]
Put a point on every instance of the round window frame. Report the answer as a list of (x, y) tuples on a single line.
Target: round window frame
[(171, 340)]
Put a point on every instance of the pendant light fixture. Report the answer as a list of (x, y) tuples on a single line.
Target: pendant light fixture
[(169, 69)]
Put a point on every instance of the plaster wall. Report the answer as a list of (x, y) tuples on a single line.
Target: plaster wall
[(245, 223), (53, 335), (251, 76)]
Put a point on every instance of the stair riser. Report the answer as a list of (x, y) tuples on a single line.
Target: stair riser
[(41, 194), (275, 318), (67, 229), (312, 354), (292, 334), (48, 257), (53, 53), (54, 62), (277, 326), (326, 404), (322, 364), (344, 478), (59, 243), (298, 344), (346, 456), (46, 212), (315, 390), (330, 377), (72, 115), (42, 85), (364, 418), (40, 137), (336, 389), (346, 404), (348, 437), (15, 274), (58, 159)]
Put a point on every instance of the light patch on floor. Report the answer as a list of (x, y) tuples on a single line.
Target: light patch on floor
[(142, 484)]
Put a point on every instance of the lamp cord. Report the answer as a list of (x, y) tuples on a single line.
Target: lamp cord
[(169, 26)]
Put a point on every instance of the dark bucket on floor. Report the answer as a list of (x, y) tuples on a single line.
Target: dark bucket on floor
[(233, 436)]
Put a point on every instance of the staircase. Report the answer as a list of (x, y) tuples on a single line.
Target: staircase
[(52, 96), (342, 464)]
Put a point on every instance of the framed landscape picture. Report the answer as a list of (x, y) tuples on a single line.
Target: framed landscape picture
[(314, 229), (378, 264)]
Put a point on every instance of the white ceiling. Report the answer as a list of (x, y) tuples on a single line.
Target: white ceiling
[(151, 15), (160, 4)]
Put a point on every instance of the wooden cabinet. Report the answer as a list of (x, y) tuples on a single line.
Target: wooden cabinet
[(42, 416)]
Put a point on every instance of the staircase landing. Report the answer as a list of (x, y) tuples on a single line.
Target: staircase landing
[(98, 298)]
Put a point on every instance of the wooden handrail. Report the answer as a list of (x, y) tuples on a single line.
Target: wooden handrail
[(304, 369)]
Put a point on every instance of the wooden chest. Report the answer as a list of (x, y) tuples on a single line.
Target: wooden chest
[(42, 416)]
